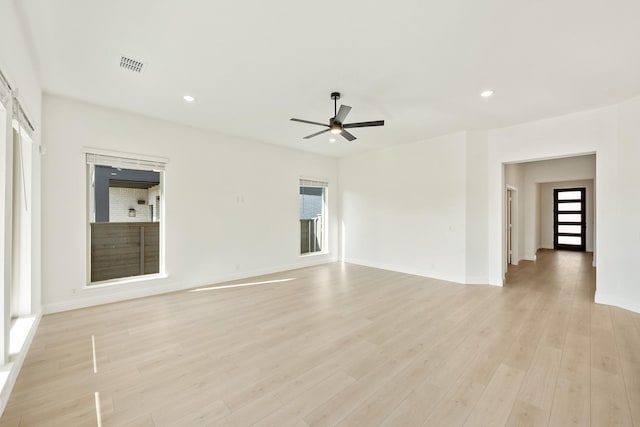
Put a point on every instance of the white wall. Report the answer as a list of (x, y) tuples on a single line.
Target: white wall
[(231, 206), (625, 203), (477, 218), (17, 64), (404, 208), (612, 133), (545, 209), (18, 67)]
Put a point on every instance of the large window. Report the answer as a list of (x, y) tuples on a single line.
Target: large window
[(313, 216), (125, 217), (21, 221), (19, 161)]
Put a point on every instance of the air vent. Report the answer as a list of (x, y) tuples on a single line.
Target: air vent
[(131, 64)]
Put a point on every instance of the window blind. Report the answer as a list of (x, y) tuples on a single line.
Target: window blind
[(308, 182), (116, 161)]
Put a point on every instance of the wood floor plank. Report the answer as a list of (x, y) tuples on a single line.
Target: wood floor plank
[(352, 396), (572, 393), (524, 414), (609, 404), (293, 411), (540, 382), (496, 402)]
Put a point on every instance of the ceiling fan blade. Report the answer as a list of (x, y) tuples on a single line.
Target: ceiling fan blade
[(309, 122), (342, 113), (347, 135), (364, 124), (316, 134)]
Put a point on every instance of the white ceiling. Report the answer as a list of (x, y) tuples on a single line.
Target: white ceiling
[(420, 65)]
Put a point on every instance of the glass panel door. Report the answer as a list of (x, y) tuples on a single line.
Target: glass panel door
[(569, 227)]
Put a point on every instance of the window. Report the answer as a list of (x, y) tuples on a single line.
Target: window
[(125, 217), (21, 221), (569, 219), (313, 216), (16, 219)]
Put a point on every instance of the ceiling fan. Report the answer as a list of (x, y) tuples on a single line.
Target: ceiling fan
[(336, 123)]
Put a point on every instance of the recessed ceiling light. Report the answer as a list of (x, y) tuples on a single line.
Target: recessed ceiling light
[(487, 93), (332, 140), (189, 98)]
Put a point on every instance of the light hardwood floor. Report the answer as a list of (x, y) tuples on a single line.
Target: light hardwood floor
[(341, 344)]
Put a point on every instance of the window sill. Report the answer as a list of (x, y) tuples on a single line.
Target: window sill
[(19, 331), (312, 254), (124, 281)]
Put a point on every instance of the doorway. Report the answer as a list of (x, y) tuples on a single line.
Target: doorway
[(569, 219), (510, 216)]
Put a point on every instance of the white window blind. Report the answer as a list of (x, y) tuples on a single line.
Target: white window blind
[(308, 182), (126, 162)]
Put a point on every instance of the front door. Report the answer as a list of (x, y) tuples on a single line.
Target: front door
[(569, 225)]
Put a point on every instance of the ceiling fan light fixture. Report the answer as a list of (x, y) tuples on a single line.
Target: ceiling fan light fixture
[(337, 125)]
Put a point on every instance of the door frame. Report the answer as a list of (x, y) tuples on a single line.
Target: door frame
[(515, 255), (582, 223)]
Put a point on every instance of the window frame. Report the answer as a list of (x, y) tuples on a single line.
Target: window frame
[(324, 185), (90, 204)]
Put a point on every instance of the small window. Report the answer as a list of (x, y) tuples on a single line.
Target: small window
[(125, 217), (313, 216)]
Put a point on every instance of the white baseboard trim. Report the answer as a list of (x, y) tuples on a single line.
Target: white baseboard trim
[(615, 301), (477, 280), (433, 274), (123, 293), (9, 372)]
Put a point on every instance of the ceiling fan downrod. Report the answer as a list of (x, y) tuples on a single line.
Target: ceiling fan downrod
[(335, 96)]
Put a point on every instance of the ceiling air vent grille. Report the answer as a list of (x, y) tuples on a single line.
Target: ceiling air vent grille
[(131, 64)]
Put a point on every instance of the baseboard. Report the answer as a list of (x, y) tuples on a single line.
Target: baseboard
[(131, 292), (477, 280), (433, 274), (11, 370), (615, 301)]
